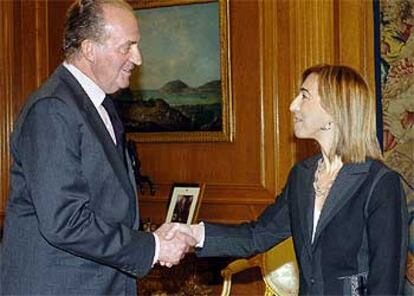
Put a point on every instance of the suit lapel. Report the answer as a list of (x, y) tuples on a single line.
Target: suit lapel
[(135, 204), (306, 199), (348, 181), (92, 117)]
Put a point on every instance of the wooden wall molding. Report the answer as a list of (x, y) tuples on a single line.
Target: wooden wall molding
[(31, 47), (240, 174), (6, 97), (23, 66), (355, 47)]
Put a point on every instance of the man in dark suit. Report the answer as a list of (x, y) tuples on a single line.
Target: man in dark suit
[(72, 216)]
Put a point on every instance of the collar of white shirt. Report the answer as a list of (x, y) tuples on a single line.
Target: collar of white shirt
[(94, 92)]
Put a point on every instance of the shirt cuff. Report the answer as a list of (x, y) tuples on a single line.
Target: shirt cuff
[(202, 234), (157, 249)]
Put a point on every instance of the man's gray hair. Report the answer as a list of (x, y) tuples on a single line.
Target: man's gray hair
[(85, 20)]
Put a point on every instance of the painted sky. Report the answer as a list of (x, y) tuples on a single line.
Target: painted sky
[(178, 42)]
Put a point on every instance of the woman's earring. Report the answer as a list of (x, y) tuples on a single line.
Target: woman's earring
[(327, 127)]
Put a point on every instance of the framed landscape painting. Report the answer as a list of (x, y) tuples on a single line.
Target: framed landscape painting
[(181, 92)]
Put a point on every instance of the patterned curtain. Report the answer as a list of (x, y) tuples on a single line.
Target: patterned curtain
[(395, 54)]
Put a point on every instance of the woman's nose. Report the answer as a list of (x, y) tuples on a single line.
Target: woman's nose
[(294, 106)]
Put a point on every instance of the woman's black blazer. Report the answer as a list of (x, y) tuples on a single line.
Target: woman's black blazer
[(361, 237)]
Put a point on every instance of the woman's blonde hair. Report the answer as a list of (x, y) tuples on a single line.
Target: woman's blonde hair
[(345, 95)]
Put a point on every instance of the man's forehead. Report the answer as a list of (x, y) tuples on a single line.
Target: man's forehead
[(122, 20), (117, 13)]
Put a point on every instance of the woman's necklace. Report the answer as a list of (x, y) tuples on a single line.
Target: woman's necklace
[(324, 179)]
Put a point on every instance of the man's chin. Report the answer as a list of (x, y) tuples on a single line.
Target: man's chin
[(124, 84), (117, 88)]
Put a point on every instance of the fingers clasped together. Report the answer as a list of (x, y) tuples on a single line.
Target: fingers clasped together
[(176, 240)]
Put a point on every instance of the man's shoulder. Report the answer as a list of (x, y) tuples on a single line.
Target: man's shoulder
[(59, 89), (60, 84)]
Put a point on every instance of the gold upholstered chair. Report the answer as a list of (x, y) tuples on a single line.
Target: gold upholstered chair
[(278, 268)]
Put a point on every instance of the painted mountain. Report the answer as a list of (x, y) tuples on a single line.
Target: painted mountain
[(174, 107)]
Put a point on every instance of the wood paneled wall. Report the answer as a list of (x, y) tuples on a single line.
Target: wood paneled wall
[(271, 43), (6, 94), (24, 64)]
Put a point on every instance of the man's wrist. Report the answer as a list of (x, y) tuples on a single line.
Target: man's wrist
[(157, 249), (199, 234)]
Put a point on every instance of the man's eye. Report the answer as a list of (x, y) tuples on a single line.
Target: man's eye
[(124, 49), (304, 96)]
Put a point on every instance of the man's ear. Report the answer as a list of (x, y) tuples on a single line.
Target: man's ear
[(88, 50)]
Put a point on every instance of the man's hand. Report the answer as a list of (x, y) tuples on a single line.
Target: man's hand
[(175, 242), (195, 230)]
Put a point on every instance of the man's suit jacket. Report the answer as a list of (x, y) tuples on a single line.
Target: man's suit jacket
[(348, 243), (72, 214)]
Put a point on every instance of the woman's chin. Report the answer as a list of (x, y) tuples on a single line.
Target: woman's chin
[(298, 134)]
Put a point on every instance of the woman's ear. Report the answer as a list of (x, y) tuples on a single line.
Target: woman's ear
[(327, 126)]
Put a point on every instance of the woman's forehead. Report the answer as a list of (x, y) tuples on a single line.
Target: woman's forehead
[(310, 83)]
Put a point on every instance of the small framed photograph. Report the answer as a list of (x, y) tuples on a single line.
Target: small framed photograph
[(184, 204)]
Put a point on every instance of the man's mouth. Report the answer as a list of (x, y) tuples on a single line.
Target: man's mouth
[(127, 70)]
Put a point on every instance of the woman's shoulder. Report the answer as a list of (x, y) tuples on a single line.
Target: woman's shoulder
[(304, 167), (379, 167), (310, 162), (383, 177)]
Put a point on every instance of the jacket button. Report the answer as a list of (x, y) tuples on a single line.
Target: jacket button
[(312, 280)]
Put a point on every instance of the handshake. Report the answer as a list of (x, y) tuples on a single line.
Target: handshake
[(175, 240)]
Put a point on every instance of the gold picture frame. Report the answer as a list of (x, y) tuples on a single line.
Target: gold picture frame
[(185, 201), (210, 120)]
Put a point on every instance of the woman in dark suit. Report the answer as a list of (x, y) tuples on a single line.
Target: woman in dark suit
[(344, 208)]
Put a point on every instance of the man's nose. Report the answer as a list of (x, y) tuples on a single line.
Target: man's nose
[(135, 55)]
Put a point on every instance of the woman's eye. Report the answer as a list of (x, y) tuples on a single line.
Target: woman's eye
[(304, 96)]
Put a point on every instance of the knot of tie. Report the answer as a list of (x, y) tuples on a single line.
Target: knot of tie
[(116, 122)]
